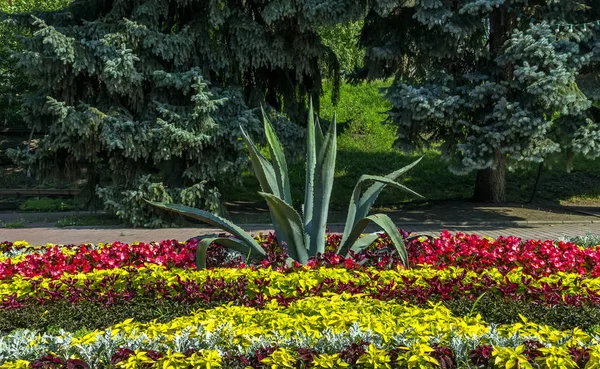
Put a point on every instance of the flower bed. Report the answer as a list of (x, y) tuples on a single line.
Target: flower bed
[(466, 302)]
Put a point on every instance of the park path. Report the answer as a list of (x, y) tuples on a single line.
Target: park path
[(78, 235)]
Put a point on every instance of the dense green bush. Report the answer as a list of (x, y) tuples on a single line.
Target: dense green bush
[(12, 82), (53, 316), (588, 240), (89, 315), (47, 204), (343, 40), (500, 310)]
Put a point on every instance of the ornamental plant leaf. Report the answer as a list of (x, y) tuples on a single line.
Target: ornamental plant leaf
[(368, 198), (324, 172), (311, 162), (290, 226), (385, 223), (360, 205), (279, 162), (363, 242), (230, 243), (263, 170), (212, 219)]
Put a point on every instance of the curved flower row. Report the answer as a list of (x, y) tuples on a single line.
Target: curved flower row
[(362, 332), (56, 261), (357, 355), (467, 251), (252, 286), (534, 256)]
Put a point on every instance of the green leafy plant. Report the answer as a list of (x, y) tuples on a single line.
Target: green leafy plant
[(17, 223), (303, 236), (47, 204)]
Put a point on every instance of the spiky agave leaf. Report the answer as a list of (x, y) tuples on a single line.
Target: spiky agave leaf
[(214, 220), (290, 225), (323, 185), (272, 180), (364, 241), (388, 226), (278, 158), (311, 162), (230, 243), (368, 198), (360, 205), (263, 169)]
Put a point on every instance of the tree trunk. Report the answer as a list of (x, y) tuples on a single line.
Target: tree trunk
[(570, 158), (490, 185)]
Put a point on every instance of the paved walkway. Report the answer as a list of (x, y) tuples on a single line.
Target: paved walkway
[(77, 235)]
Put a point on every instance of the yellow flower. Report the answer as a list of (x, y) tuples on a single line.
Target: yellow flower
[(135, 360), (171, 360), (19, 364), (329, 361), (205, 359), (419, 356), (556, 357), (508, 357), (280, 358), (375, 358)]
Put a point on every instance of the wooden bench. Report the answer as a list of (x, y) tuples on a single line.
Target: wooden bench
[(32, 192), (35, 192)]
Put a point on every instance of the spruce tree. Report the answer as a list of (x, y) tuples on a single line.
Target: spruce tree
[(144, 97), (494, 80), (12, 82)]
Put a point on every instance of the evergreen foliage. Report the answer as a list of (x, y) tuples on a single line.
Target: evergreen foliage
[(495, 80), (144, 97), (343, 40), (12, 82)]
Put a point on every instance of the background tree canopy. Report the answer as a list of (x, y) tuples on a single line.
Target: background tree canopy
[(492, 80), (144, 98), (12, 81)]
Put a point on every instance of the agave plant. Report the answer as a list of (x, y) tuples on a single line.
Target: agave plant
[(303, 236)]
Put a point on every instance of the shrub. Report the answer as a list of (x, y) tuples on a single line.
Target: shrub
[(46, 204), (64, 315)]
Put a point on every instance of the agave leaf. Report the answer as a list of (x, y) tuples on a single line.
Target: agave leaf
[(289, 224), (365, 241), (265, 173), (368, 198), (311, 160), (324, 171), (213, 220), (279, 162), (360, 205), (387, 225), (230, 243), (319, 138), (263, 170)]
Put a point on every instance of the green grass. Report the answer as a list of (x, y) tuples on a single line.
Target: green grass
[(365, 146), (46, 204), (88, 221), (18, 223)]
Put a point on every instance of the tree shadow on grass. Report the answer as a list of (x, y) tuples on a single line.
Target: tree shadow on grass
[(447, 195)]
